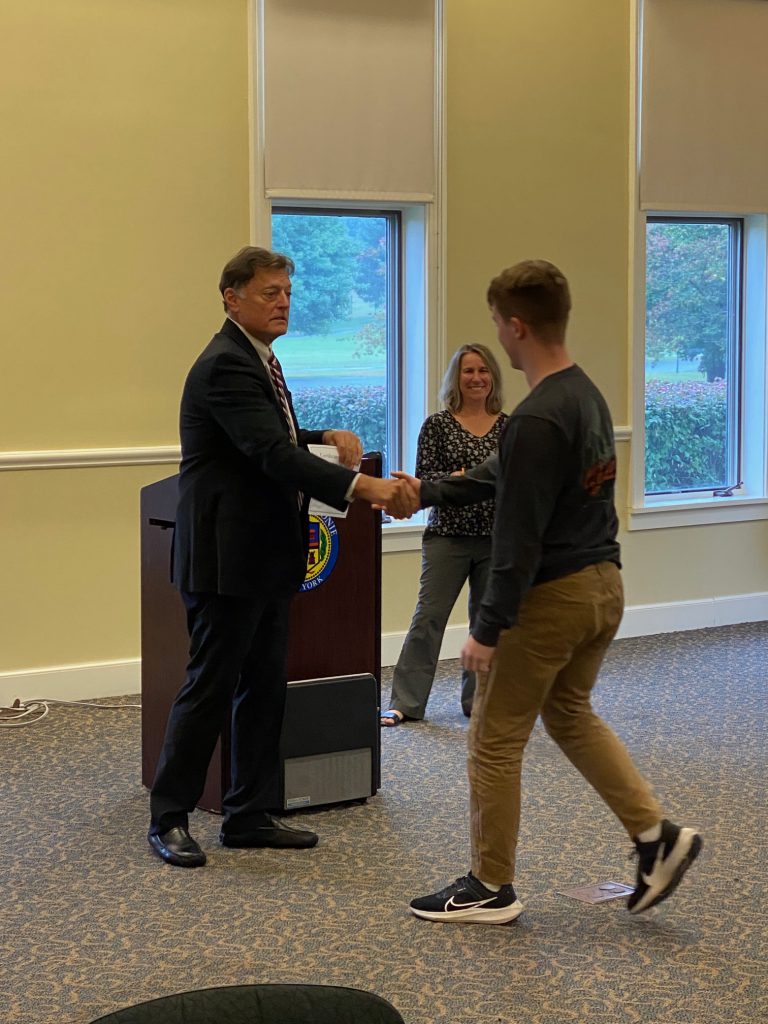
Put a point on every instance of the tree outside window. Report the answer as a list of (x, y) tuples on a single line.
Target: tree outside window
[(692, 328), (342, 342)]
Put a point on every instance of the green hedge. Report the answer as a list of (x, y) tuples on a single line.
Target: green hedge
[(685, 427), (685, 435), (360, 409)]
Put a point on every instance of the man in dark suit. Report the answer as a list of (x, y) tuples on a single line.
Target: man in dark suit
[(240, 553)]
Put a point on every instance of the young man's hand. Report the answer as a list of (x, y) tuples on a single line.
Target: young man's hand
[(394, 496), (414, 486), (476, 657)]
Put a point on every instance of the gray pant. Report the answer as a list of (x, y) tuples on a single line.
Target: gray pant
[(446, 564)]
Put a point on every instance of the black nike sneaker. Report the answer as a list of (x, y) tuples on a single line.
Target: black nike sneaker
[(662, 864), (467, 901)]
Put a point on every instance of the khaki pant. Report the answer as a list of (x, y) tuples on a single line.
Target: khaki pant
[(547, 665)]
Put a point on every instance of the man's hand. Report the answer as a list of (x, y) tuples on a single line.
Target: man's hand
[(476, 657), (348, 445), (394, 496)]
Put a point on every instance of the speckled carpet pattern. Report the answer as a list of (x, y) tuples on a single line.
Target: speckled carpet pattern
[(92, 921)]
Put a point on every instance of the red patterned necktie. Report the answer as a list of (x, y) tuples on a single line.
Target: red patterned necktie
[(278, 382)]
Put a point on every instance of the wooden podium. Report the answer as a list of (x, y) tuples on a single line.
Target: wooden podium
[(335, 632)]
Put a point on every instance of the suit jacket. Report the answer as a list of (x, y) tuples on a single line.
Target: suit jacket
[(239, 529)]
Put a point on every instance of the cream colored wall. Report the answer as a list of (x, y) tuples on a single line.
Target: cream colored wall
[(123, 190), (691, 563), (537, 138), (124, 187), (538, 150), (70, 545)]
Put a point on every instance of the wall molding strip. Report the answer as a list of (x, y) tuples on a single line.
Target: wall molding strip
[(83, 458), (153, 455)]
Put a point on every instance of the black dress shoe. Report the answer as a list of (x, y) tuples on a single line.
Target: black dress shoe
[(275, 834), (177, 847)]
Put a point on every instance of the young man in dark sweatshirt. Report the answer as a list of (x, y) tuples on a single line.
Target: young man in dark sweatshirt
[(553, 604)]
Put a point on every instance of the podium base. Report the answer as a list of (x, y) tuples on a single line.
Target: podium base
[(327, 778), (329, 749)]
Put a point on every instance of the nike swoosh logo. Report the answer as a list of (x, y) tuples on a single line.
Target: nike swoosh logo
[(647, 878), (467, 906)]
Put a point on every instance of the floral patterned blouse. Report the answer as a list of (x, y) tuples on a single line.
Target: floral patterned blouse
[(444, 447)]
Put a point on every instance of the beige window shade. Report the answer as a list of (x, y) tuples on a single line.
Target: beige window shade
[(349, 97), (704, 113)]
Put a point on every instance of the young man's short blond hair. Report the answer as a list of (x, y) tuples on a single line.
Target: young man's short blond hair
[(536, 292)]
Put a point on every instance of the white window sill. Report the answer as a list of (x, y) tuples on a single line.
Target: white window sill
[(697, 512), (403, 535)]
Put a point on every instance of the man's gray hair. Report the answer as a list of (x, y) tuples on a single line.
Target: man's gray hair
[(245, 264)]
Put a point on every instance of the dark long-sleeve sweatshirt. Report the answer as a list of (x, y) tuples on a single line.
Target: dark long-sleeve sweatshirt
[(554, 484)]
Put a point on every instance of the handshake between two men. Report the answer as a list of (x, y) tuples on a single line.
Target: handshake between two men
[(397, 497)]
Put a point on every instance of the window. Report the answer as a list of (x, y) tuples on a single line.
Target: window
[(700, 256), (343, 354), (701, 403), (694, 410)]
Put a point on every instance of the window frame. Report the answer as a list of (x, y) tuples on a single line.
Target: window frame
[(734, 358), (749, 501), (424, 234), (394, 329), (421, 323)]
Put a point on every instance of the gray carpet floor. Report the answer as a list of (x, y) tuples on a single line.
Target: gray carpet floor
[(90, 921)]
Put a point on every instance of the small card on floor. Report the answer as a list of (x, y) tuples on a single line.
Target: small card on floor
[(597, 892)]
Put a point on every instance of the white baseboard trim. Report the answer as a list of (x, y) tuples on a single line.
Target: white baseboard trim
[(639, 620), (72, 682), (679, 616), (119, 678)]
